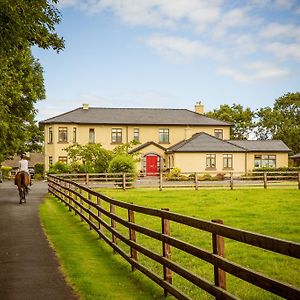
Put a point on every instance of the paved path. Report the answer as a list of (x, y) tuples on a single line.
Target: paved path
[(28, 266)]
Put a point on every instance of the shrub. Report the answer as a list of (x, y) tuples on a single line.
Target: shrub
[(205, 177), (175, 175), (59, 168), (122, 164), (5, 171), (38, 176), (39, 169), (219, 177)]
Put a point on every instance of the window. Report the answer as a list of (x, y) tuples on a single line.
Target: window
[(74, 135), (211, 161), (164, 135), (265, 161), (62, 134), (63, 159), (50, 137), (92, 136), (136, 134), (116, 135), (219, 133), (50, 161), (227, 161)]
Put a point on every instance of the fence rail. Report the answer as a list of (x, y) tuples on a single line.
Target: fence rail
[(195, 180), (88, 205)]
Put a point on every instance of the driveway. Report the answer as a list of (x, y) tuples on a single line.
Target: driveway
[(28, 266)]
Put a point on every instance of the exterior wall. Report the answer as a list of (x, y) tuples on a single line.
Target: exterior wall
[(281, 159), (103, 136), (196, 162)]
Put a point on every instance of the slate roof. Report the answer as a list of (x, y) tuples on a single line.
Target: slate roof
[(262, 146), (296, 156), (203, 142), (140, 147), (134, 116)]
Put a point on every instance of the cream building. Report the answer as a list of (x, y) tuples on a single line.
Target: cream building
[(167, 138)]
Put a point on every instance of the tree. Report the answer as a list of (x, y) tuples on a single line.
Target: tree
[(281, 122), (23, 23), (21, 85), (240, 118), (90, 158)]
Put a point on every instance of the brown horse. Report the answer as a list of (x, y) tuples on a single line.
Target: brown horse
[(22, 180)]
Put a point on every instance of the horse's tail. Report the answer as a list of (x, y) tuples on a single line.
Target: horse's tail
[(23, 179)]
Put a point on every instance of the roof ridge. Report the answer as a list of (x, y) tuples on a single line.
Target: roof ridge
[(203, 115), (229, 142)]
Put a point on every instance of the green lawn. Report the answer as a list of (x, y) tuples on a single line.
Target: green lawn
[(271, 212)]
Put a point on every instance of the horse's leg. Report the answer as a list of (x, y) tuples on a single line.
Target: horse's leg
[(20, 194), (25, 191)]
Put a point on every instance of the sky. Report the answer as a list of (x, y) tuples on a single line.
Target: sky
[(172, 54)]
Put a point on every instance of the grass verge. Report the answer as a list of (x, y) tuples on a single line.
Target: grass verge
[(89, 264)]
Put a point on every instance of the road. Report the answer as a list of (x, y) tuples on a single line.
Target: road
[(29, 269)]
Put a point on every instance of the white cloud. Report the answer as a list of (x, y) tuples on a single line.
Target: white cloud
[(284, 50), (179, 49), (255, 72), (219, 30), (281, 31)]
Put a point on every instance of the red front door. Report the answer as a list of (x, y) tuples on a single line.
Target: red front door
[(151, 165)]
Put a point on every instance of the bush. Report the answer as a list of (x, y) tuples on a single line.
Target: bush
[(273, 173), (59, 168), (175, 175), (39, 169), (38, 176), (219, 177), (122, 164), (5, 171)]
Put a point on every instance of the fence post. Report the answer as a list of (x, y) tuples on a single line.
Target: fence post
[(165, 224), (160, 180), (75, 198), (219, 249), (124, 181), (87, 178), (132, 237), (81, 202), (70, 197), (196, 182), (99, 215), (265, 180), (231, 180), (299, 180), (112, 210), (89, 208)]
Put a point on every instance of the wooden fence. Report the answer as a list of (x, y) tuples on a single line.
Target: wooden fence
[(88, 204), (195, 180)]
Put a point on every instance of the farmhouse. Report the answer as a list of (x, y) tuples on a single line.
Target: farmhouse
[(166, 138)]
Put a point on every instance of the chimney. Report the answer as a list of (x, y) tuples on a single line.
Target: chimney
[(199, 108), (85, 106)]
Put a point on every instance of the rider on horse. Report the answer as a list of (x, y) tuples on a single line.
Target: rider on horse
[(23, 167)]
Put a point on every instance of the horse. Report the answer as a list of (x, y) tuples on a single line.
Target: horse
[(22, 180)]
